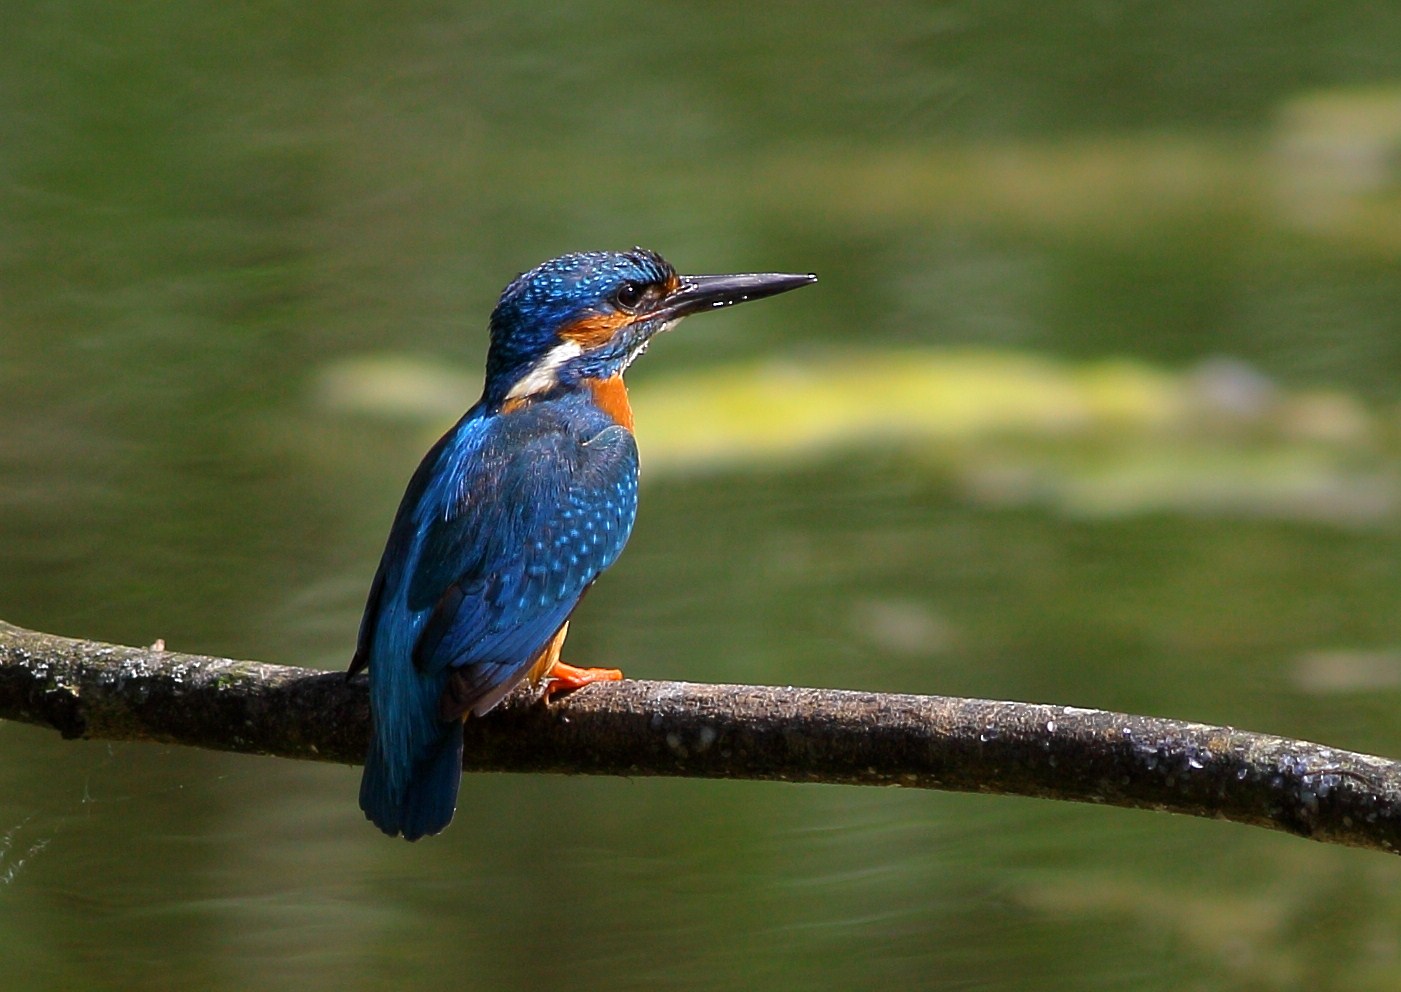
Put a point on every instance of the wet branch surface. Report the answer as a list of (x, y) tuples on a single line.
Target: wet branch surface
[(636, 728)]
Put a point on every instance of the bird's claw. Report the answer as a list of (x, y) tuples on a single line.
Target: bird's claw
[(562, 678)]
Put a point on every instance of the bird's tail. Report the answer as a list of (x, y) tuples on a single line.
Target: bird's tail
[(424, 804)]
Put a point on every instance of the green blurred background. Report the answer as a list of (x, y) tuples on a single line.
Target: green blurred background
[(1095, 403)]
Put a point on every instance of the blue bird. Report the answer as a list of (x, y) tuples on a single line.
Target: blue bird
[(512, 515)]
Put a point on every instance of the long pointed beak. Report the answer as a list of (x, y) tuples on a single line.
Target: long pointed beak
[(697, 293)]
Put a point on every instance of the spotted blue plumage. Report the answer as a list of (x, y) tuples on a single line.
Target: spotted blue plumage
[(512, 515), (484, 565), (551, 296)]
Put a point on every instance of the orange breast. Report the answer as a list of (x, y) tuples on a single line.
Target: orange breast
[(611, 396)]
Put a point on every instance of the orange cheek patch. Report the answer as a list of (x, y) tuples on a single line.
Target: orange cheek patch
[(611, 396), (595, 330)]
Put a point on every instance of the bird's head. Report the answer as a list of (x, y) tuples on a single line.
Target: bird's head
[(588, 315)]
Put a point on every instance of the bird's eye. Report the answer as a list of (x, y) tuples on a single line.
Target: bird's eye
[(629, 295)]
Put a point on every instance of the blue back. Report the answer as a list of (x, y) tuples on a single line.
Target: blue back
[(507, 521)]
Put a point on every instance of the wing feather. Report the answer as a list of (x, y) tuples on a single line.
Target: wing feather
[(536, 520)]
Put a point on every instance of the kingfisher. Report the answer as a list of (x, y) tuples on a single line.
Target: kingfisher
[(512, 515)]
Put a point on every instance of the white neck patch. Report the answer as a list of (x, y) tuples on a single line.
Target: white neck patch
[(542, 375)]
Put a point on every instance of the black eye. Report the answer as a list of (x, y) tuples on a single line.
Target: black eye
[(629, 295)]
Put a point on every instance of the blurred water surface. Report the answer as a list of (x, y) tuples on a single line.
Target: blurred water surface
[(1095, 403)]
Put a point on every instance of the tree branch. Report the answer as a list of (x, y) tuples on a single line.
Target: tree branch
[(107, 692)]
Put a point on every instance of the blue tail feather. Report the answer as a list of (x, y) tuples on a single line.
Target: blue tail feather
[(427, 801)]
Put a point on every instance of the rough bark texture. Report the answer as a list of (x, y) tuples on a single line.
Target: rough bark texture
[(102, 691)]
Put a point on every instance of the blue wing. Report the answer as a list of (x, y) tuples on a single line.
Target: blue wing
[(504, 525), (530, 527), (517, 517)]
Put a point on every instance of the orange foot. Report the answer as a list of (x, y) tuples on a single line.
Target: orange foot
[(566, 678)]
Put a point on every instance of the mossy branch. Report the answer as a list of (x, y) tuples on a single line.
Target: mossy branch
[(636, 728)]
